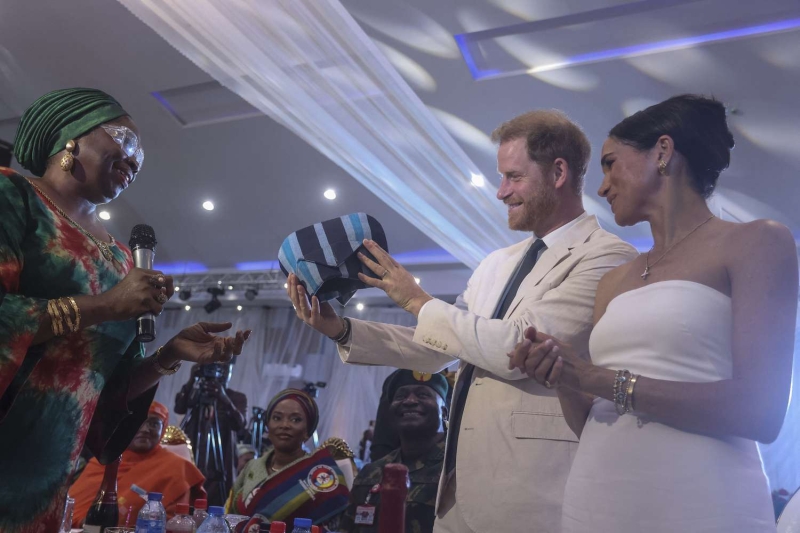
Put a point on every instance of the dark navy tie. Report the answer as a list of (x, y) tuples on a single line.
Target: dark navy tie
[(465, 377)]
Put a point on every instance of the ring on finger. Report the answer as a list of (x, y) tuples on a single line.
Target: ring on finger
[(548, 384), (385, 273), (161, 298)]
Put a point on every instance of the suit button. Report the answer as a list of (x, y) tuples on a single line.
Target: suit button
[(444, 347)]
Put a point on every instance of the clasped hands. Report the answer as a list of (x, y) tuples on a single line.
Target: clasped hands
[(549, 361)]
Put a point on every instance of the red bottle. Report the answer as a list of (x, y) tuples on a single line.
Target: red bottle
[(394, 490), (104, 511)]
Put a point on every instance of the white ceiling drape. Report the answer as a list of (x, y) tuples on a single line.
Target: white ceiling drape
[(308, 65)]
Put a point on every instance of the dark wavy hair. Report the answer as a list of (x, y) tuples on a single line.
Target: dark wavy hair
[(697, 126)]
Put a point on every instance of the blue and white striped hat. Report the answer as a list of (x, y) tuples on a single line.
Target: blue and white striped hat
[(323, 256)]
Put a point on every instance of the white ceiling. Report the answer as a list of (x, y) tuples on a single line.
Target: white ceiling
[(267, 183)]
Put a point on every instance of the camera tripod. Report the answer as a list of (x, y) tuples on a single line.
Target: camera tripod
[(208, 444)]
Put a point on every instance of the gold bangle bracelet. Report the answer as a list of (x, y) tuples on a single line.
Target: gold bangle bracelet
[(67, 317), (55, 318), (77, 313)]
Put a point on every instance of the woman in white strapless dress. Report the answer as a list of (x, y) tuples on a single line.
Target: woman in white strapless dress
[(704, 322)]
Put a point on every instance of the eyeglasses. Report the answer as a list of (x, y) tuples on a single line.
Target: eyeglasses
[(128, 141)]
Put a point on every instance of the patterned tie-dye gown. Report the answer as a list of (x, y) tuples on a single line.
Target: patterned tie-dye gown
[(71, 390)]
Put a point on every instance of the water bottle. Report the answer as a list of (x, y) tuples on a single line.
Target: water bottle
[(152, 518), (200, 513), (215, 523), (181, 522), (302, 525)]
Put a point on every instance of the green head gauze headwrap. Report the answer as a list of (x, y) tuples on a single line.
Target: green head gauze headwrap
[(57, 117)]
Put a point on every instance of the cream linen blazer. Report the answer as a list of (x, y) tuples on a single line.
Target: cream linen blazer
[(514, 449)]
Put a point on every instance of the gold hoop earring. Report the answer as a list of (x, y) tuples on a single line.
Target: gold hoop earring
[(662, 167), (68, 159)]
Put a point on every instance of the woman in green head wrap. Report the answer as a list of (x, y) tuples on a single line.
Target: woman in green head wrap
[(70, 371)]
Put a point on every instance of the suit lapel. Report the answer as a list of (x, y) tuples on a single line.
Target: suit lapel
[(503, 274), (553, 256)]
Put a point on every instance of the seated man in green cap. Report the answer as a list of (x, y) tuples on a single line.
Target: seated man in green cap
[(418, 413)]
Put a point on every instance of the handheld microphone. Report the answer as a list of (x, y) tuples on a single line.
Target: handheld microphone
[(143, 246)]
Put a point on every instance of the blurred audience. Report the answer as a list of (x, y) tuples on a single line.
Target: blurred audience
[(366, 442)]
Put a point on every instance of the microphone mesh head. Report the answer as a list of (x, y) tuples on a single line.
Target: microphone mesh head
[(142, 236)]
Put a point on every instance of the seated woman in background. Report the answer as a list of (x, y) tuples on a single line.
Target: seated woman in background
[(146, 464), (288, 483)]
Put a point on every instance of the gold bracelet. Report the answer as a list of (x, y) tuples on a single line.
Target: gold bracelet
[(629, 399), (161, 369), (67, 317), (55, 318), (53, 326), (77, 312)]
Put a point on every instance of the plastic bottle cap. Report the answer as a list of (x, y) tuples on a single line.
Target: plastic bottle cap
[(216, 511), (154, 497), (182, 508), (302, 522), (277, 527), (201, 504)]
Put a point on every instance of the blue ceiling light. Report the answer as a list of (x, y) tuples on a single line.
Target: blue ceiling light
[(672, 44), (189, 267), (258, 265), (469, 43)]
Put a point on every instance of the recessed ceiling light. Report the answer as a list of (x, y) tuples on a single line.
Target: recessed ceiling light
[(238, 307), (285, 285), (360, 307), (230, 287), (105, 215), (177, 288), (208, 205), (188, 307), (330, 194), (417, 280), (477, 180)]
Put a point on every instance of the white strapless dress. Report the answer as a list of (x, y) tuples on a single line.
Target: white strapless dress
[(635, 475)]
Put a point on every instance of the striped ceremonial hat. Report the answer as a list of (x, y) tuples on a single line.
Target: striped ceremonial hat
[(323, 256)]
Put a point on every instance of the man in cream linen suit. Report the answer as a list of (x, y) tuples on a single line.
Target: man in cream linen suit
[(514, 447)]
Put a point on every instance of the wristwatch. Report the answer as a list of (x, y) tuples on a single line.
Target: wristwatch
[(161, 369)]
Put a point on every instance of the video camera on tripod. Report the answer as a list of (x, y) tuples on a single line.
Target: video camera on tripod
[(312, 389), (217, 373), (203, 417)]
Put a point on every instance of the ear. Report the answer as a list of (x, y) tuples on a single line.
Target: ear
[(560, 172), (664, 149)]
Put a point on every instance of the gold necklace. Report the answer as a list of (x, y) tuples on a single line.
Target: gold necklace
[(647, 264), (105, 249)]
